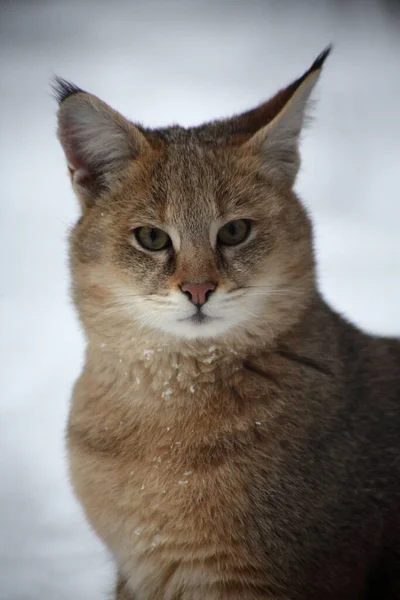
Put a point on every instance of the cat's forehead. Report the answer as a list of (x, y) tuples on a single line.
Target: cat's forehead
[(195, 181), (188, 178), (189, 167)]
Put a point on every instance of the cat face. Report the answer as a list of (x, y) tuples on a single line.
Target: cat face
[(194, 242), (189, 234)]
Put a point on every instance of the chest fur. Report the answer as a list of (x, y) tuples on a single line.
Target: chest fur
[(168, 493)]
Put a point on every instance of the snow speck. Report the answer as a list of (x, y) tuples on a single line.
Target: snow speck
[(168, 428), (210, 359), (167, 394), (138, 380), (211, 349), (138, 530), (187, 473), (155, 540), (142, 487), (148, 353), (103, 345), (192, 388), (183, 482), (258, 423)]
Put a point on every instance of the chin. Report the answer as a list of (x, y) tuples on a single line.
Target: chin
[(198, 327)]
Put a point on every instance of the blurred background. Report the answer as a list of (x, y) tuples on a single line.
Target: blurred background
[(163, 62)]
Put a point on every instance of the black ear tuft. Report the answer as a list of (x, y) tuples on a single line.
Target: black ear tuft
[(63, 89), (319, 61), (316, 66)]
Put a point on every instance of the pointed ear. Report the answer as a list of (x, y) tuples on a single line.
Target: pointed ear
[(280, 122), (98, 142)]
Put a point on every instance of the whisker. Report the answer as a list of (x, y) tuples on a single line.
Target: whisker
[(270, 287)]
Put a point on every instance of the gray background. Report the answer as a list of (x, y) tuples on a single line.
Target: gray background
[(160, 62)]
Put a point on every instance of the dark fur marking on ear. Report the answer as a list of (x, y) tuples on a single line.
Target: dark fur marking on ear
[(319, 61), (239, 128), (63, 89), (316, 66)]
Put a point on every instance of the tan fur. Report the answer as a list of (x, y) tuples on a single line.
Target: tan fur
[(182, 451)]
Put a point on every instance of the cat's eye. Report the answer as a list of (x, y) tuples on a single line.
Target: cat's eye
[(234, 232), (152, 238)]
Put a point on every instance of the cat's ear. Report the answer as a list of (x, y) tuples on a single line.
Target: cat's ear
[(279, 122), (98, 142)]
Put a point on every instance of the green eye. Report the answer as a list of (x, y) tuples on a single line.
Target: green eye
[(152, 238), (234, 232)]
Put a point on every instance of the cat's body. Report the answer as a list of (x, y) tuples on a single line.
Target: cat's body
[(296, 492), (252, 453)]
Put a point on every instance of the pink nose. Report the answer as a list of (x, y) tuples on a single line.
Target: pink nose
[(198, 293)]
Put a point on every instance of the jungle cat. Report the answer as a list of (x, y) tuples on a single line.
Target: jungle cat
[(231, 437)]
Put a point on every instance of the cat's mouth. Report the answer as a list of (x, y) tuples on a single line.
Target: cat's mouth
[(199, 318)]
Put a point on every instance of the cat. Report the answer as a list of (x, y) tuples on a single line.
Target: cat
[(231, 437)]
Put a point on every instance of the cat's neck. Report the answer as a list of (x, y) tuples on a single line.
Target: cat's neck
[(161, 358), (152, 385), (143, 355)]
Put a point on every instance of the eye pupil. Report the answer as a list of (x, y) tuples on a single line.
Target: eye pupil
[(152, 238), (234, 232)]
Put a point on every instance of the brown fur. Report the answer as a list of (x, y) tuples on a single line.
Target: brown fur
[(262, 463)]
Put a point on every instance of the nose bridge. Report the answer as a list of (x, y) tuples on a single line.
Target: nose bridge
[(192, 213), (195, 263)]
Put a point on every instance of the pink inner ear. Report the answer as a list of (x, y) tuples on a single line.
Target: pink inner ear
[(79, 172), (70, 145), (73, 163)]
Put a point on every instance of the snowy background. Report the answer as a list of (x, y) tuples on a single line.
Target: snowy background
[(159, 62)]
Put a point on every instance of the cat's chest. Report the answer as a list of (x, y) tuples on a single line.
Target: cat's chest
[(162, 512), (168, 472), (164, 494)]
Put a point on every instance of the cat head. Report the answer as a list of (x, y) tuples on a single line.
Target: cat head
[(189, 233)]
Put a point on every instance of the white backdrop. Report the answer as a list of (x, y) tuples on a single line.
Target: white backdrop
[(163, 62)]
